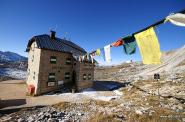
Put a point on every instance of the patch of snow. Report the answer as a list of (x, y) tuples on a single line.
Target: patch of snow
[(139, 112), (14, 73), (105, 98), (92, 94), (117, 92)]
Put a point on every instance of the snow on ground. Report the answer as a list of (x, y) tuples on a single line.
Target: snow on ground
[(90, 93), (99, 95), (117, 92), (14, 73)]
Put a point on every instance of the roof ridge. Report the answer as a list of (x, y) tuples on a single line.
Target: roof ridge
[(72, 45), (62, 40), (44, 41)]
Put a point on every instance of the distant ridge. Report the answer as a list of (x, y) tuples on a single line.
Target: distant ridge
[(11, 57)]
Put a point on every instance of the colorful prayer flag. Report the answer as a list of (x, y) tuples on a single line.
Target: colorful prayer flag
[(98, 52), (119, 42), (129, 45), (149, 46), (176, 19), (107, 56)]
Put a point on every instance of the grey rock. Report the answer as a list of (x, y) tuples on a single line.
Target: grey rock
[(30, 119), (41, 114), (42, 117), (180, 107), (183, 119), (49, 120), (79, 114), (60, 114), (20, 120), (65, 120), (139, 112)]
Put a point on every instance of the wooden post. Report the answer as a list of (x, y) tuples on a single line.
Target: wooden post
[(157, 78)]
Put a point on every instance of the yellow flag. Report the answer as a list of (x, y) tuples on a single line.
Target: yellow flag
[(149, 46), (98, 52)]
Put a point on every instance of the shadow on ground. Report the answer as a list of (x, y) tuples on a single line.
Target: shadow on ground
[(108, 85), (12, 102), (9, 111)]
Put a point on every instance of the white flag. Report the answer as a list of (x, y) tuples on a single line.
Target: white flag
[(176, 19), (107, 53)]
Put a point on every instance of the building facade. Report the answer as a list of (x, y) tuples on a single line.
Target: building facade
[(52, 63)]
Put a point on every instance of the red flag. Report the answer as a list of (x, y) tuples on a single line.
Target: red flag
[(119, 42)]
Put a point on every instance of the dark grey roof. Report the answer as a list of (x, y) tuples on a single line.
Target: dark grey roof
[(62, 45)]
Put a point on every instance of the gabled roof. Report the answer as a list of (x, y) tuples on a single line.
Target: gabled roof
[(57, 44)]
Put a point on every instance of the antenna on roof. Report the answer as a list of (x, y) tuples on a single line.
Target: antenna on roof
[(65, 35), (53, 29), (56, 26), (69, 38)]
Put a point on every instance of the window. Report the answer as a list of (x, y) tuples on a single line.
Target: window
[(32, 48), (68, 61), (34, 75), (34, 45), (32, 58), (51, 77), (84, 76), (89, 77), (53, 59), (28, 71), (67, 75)]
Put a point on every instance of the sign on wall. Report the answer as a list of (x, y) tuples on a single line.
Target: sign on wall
[(60, 82), (51, 83)]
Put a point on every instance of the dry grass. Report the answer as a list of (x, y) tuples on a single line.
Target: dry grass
[(137, 99), (102, 117), (62, 105), (181, 64), (85, 105), (160, 115)]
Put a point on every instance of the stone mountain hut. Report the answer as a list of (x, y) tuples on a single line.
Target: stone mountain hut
[(52, 64)]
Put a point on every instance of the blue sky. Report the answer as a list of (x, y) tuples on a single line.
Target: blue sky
[(91, 24)]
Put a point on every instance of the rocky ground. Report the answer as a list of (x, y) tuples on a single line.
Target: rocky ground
[(43, 114), (138, 97), (139, 101)]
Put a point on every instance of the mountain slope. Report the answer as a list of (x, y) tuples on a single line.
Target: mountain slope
[(173, 62), (10, 56), (170, 60)]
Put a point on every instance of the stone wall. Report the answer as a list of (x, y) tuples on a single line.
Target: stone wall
[(84, 68), (33, 66), (60, 68), (39, 67)]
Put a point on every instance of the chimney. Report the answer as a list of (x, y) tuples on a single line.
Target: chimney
[(52, 34)]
